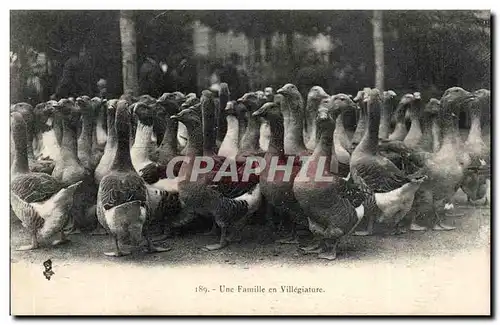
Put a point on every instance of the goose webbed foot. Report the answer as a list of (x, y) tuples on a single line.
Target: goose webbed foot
[(34, 244), (318, 249), (291, 239), (450, 211), (314, 246), (150, 248), (442, 227), (222, 243), (157, 249), (214, 247), (62, 240), (330, 251), (369, 227), (415, 227), (118, 252), (73, 231), (70, 229), (26, 247), (163, 237), (99, 231), (363, 233)]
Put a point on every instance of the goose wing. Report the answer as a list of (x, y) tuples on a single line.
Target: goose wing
[(116, 190), (379, 174), (35, 187)]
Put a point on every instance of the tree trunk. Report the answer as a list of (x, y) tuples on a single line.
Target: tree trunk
[(378, 45), (129, 52)]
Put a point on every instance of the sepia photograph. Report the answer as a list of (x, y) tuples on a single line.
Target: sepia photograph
[(250, 162)]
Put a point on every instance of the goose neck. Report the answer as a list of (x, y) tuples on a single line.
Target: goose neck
[(195, 142), (20, 163), (169, 142), (369, 142), (276, 145), (250, 140), (475, 129), (122, 161), (69, 142)]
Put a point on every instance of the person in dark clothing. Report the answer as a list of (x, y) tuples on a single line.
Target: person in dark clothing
[(77, 77), (229, 74), (150, 78), (156, 78), (15, 79), (186, 77), (102, 88)]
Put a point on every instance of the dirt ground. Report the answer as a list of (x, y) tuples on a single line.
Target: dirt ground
[(418, 273), (380, 262)]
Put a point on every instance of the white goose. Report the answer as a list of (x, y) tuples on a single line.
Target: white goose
[(37, 199)]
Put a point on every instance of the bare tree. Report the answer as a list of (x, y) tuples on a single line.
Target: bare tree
[(129, 51), (378, 45)]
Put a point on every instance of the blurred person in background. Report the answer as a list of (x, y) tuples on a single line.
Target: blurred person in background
[(311, 74), (186, 77), (35, 90), (156, 77), (15, 79), (235, 76), (77, 77), (102, 88)]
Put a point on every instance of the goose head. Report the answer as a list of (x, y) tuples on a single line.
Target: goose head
[(85, 105), (18, 125), (415, 108), (26, 111), (250, 100), (231, 108), (289, 91), (389, 97), (122, 118), (168, 104), (339, 104), (327, 112), (190, 117), (373, 98), (145, 112), (269, 112), (432, 107), (480, 102), (316, 93), (190, 101), (43, 114), (401, 114), (98, 104), (69, 111), (455, 99), (176, 97)]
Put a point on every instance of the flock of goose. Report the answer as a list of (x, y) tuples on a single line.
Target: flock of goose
[(127, 167)]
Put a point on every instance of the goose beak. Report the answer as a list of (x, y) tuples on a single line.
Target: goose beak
[(175, 117), (280, 91)]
